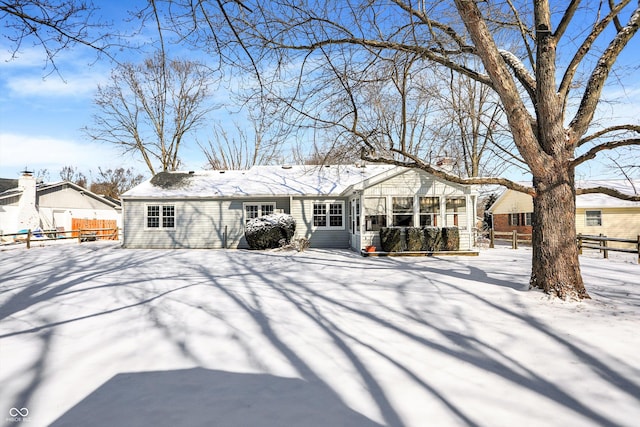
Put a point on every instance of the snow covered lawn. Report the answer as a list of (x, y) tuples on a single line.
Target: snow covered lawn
[(96, 335)]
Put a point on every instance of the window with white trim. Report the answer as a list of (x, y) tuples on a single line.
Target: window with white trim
[(455, 207), (429, 211), (375, 213), (255, 210), (402, 211), (328, 214), (593, 218), (161, 216), (335, 214)]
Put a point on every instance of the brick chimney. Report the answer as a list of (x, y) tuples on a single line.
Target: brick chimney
[(28, 216)]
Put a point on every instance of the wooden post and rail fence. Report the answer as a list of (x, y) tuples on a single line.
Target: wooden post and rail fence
[(82, 235), (513, 236), (584, 241), (601, 243)]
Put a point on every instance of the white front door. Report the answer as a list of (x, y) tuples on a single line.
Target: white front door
[(354, 223)]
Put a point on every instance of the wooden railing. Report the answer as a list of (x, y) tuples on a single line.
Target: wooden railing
[(602, 243), (82, 235)]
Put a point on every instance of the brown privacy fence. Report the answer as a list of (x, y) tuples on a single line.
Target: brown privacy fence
[(104, 229)]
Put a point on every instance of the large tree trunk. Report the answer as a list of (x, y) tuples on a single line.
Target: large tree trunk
[(555, 265)]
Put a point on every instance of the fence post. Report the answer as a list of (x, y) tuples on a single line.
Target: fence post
[(80, 235), (29, 239), (638, 248), (604, 245), (514, 240), (600, 242), (580, 243), (492, 241)]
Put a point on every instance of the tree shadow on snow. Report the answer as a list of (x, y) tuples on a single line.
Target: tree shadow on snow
[(203, 397), (328, 306), (463, 346)]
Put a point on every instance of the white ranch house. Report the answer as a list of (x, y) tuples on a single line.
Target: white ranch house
[(333, 206)]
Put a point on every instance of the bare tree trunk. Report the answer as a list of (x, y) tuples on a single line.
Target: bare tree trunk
[(555, 264)]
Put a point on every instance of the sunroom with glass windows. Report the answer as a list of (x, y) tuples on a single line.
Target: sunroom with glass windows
[(415, 198)]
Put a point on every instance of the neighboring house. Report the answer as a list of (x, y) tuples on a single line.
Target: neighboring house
[(26, 204), (511, 211), (595, 213), (334, 206)]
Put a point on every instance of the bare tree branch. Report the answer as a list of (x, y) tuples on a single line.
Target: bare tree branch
[(609, 192), (591, 154), (585, 47), (611, 129), (419, 164), (586, 111), (54, 25)]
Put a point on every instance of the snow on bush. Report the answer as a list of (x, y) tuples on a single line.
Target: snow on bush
[(270, 231)]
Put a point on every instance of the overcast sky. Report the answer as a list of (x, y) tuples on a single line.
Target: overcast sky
[(42, 113)]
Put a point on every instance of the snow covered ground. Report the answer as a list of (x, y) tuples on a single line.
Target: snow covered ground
[(96, 335)]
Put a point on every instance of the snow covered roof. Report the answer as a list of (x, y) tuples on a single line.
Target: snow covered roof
[(599, 200), (298, 180), (40, 187)]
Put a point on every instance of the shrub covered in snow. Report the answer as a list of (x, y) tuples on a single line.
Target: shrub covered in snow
[(270, 231)]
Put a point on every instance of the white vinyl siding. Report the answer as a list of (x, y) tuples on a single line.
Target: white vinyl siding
[(198, 224), (320, 237)]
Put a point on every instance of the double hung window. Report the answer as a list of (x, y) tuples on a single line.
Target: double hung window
[(161, 216), (402, 211), (429, 211), (375, 213), (517, 219), (593, 218), (328, 214), (255, 210), (455, 207)]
